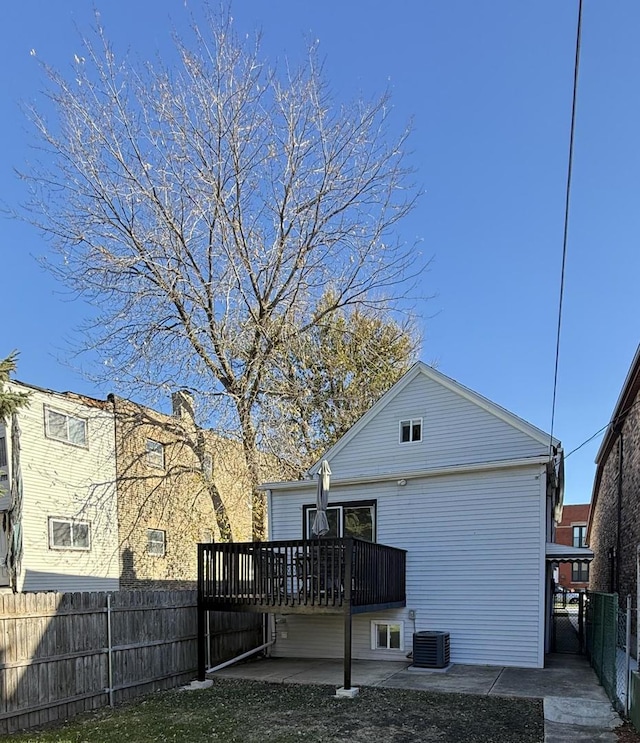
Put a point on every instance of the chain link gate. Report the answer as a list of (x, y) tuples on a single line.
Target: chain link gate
[(568, 623), (608, 645)]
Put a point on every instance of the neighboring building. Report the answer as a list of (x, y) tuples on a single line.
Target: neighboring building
[(614, 522), (170, 473), (572, 531), (113, 494), (58, 515), (469, 491)]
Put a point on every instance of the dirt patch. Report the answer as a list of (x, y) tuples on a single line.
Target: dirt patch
[(627, 734), (234, 711)]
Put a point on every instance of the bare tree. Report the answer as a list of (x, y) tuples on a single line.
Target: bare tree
[(206, 209)]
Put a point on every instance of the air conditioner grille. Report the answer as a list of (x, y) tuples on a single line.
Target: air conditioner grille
[(431, 649)]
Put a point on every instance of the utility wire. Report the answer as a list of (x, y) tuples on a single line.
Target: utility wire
[(566, 217), (613, 422)]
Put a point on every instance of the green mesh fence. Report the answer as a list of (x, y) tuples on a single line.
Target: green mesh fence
[(602, 634)]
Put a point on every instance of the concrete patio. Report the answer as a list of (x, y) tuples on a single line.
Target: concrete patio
[(576, 707)]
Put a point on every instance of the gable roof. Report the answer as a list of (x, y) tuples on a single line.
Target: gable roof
[(421, 368)]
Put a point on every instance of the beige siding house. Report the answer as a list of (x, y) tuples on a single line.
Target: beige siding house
[(178, 485), (65, 523)]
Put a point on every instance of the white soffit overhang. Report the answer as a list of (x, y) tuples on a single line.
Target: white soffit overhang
[(566, 553)]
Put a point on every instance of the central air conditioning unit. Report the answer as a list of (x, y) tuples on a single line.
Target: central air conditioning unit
[(431, 649)]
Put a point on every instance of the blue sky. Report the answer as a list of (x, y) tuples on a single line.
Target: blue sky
[(488, 87)]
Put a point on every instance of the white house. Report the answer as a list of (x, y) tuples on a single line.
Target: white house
[(470, 491), (58, 508)]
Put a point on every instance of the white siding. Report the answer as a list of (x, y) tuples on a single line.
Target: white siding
[(69, 482), (475, 565), (455, 431)]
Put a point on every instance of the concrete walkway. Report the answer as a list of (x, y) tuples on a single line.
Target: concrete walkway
[(576, 709)]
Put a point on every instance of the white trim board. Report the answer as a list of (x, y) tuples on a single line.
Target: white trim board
[(456, 469)]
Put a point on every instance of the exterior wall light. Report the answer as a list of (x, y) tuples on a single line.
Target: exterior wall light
[(402, 482)]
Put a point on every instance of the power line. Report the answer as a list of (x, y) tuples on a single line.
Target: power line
[(586, 441), (612, 422), (566, 216)]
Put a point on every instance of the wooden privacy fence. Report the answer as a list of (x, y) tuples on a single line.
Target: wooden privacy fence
[(64, 653)]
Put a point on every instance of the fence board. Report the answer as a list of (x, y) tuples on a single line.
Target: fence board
[(54, 649)]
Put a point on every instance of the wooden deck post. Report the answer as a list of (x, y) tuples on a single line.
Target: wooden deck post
[(348, 571), (202, 655)]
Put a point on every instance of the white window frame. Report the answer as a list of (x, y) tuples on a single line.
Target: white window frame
[(72, 523), (155, 454), (412, 422), (162, 542), (376, 623), (207, 465), (68, 417)]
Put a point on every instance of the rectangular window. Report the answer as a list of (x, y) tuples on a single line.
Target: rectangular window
[(357, 519), (4, 476), (69, 534), (156, 542), (580, 572), (411, 430), (579, 535), (155, 454), (65, 427), (207, 465), (387, 635)]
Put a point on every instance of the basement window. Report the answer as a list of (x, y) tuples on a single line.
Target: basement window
[(410, 430), (387, 635)]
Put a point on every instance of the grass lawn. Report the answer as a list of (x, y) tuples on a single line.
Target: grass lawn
[(258, 712)]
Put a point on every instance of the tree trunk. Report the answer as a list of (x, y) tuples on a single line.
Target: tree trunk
[(258, 499)]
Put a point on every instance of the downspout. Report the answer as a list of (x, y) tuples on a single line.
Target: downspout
[(220, 666), (269, 619), (111, 398), (619, 512), (269, 519), (267, 625), (638, 604)]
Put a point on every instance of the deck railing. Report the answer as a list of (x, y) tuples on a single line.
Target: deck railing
[(323, 573)]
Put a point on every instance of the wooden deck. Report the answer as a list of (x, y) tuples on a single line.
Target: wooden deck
[(301, 576), (331, 576)]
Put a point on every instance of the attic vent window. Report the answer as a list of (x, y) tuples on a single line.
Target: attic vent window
[(410, 430)]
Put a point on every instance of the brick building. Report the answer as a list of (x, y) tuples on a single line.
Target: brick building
[(178, 485), (572, 531), (614, 522)]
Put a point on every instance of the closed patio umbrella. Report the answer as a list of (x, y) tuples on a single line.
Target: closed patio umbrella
[(320, 525)]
